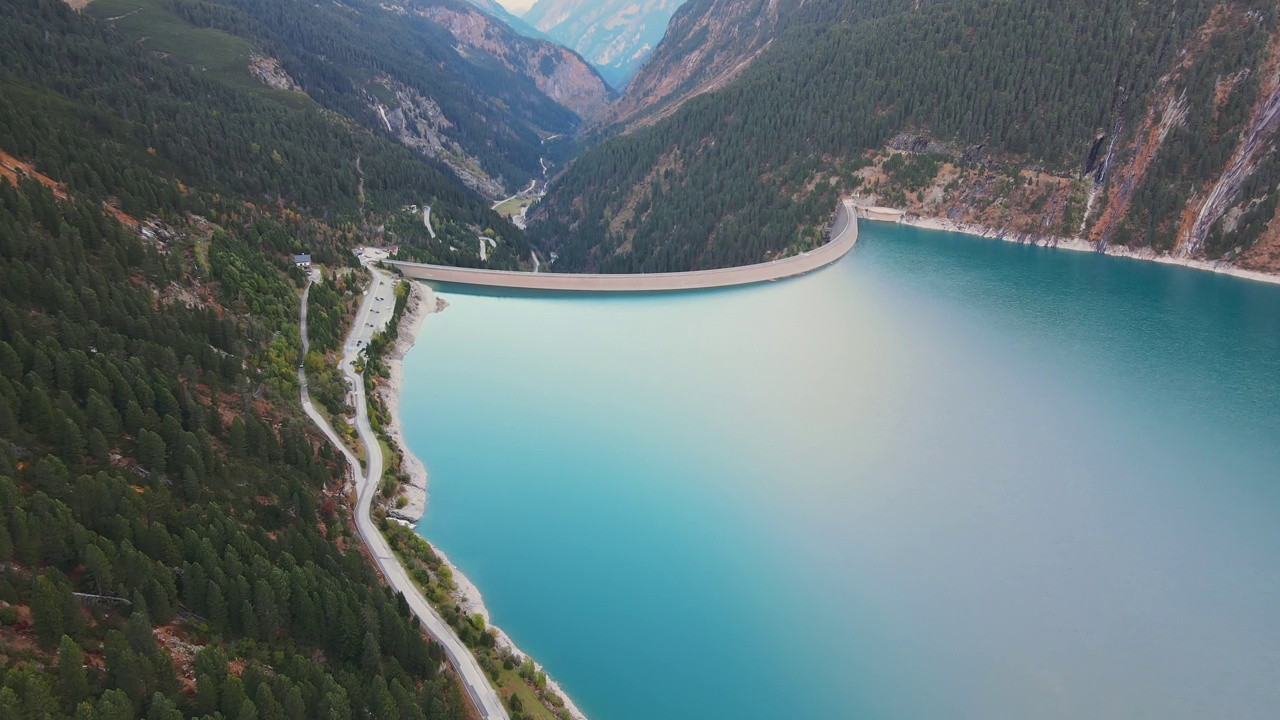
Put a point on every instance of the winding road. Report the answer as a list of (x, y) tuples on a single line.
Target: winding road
[(373, 316), (307, 405), (844, 237)]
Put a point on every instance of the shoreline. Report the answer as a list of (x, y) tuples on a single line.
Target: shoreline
[(422, 303), (1077, 245)]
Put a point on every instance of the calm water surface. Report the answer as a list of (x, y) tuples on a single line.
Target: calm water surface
[(944, 478)]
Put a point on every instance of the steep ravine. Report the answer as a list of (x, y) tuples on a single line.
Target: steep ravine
[(557, 71), (708, 43), (1257, 139)]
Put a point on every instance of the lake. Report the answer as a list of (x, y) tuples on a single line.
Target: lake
[(946, 477)]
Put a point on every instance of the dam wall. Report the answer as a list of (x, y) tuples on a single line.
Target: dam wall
[(844, 237)]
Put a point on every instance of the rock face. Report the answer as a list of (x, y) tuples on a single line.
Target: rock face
[(1096, 204), (418, 122), (558, 72), (269, 73), (614, 35), (495, 9), (708, 43)]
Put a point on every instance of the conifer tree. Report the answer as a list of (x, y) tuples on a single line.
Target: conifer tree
[(73, 682), (48, 607), (151, 450)]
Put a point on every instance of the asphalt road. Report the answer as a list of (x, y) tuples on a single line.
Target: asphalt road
[(307, 406), (373, 316)]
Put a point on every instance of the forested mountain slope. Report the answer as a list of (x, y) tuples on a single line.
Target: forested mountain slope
[(1122, 120), (172, 542), (152, 134), (175, 540), (615, 35), (384, 66)]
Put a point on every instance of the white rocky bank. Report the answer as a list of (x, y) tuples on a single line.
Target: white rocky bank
[(422, 303)]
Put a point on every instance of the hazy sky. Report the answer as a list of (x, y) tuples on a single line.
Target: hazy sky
[(516, 6)]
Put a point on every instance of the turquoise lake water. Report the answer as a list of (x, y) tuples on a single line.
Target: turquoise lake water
[(945, 477)]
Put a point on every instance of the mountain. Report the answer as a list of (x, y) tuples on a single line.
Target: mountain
[(556, 71), (95, 112), (614, 35), (1129, 124), (384, 66), (495, 9), (176, 540), (707, 44)]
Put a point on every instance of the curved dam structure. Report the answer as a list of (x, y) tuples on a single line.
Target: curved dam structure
[(845, 235)]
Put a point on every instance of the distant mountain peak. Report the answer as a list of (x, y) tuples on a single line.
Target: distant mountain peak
[(556, 71), (510, 18), (614, 35), (707, 44)]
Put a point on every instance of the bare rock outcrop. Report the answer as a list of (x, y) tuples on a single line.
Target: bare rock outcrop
[(268, 71), (418, 122), (707, 45), (556, 71)]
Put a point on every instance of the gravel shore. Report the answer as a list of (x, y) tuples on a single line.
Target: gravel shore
[(422, 303), (1080, 245)]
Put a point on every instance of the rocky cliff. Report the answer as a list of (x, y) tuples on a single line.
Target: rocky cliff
[(708, 43), (614, 35), (1197, 176), (496, 9), (557, 71)]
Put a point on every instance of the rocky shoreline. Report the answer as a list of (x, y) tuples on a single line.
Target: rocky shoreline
[(421, 303), (1079, 245)]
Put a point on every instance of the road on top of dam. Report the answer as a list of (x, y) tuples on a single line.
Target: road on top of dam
[(844, 237)]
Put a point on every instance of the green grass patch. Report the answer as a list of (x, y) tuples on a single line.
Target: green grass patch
[(152, 26), (512, 207), (388, 484), (382, 93), (219, 54), (510, 683)]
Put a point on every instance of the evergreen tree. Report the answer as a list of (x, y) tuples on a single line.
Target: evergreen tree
[(137, 632), (114, 705), (151, 450), (234, 700), (73, 682), (48, 611), (6, 544), (98, 569), (162, 708), (218, 613)]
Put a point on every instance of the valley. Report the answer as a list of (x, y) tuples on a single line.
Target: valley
[(616, 36), (753, 359)]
